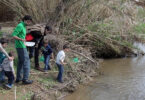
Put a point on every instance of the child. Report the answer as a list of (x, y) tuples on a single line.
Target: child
[(9, 71), (3, 55), (39, 33), (47, 51), (60, 62)]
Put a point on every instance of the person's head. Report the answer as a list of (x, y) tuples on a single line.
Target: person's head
[(48, 30), (4, 42), (11, 54), (66, 48), (45, 43), (27, 19)]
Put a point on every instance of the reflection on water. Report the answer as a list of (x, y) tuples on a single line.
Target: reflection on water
[(123, 79), (140, 46)]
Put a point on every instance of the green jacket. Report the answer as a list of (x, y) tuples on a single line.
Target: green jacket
[(20, 31)]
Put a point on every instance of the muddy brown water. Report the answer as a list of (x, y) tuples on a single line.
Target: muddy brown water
[(123, 79)]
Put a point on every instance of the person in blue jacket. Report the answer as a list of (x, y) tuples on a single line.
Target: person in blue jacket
[(47, 52)]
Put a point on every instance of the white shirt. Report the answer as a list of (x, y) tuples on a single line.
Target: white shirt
[(60, 57)]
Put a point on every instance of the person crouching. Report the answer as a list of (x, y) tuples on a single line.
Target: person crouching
[(60, 62), (47, 52)]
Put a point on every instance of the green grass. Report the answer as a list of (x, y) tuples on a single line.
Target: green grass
[(128, 44), (2, 90), (141, 12), (47, 81), (26, 96), (140, 28)]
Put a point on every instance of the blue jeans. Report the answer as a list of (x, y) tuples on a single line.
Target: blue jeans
[(2, 76), (46, 62), (23, 64), (60, 74)]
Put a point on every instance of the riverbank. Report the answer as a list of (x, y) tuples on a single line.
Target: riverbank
[(80, 68), (45, 85)]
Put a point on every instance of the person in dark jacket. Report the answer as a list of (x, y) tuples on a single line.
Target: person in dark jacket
[(47, 51), (33, 36), (38, 39)]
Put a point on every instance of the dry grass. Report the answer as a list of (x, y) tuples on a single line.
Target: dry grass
[(105, 18), (39, 9)]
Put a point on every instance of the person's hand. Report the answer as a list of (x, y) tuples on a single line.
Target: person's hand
[(23, 40), (11, 58), (14, 74), (53, 59), (64, 63)]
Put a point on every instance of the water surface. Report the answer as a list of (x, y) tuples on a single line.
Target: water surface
[(123, 79)]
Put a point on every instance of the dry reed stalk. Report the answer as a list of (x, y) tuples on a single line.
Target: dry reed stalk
[(37, 8), (15, 93)]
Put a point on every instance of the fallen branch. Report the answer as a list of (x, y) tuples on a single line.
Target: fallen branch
[(84, 56), (61, 97), (65, 85)]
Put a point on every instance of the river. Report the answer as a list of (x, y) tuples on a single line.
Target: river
[(123, 79)]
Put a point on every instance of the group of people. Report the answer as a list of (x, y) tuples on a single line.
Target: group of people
[(23, 67)]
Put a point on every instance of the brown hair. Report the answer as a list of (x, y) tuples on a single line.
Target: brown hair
[(45, 42), (65, 47), (3, 41), (11, 53)]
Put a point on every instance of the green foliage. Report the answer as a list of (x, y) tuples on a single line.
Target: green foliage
[(15, 63), (93, 27), (128, 44), (26, 96), (47, 81), (100, 27), (117, 38), (98, 43), (141, 12), (140, 28), (1, 33), (2, 91), (69, 21)]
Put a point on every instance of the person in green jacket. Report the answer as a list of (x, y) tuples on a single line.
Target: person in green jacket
[(19, 35)]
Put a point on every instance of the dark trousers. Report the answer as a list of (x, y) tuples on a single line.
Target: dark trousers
[(46, 62), (36, 59), (10, 76), (2, 76), (31, 51), (61, 70)]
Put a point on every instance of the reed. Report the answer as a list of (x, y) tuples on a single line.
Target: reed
[(39, 9)]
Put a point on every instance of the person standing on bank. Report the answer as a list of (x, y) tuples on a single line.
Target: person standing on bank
[(19, 35), (38, 46), (60, 62)]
